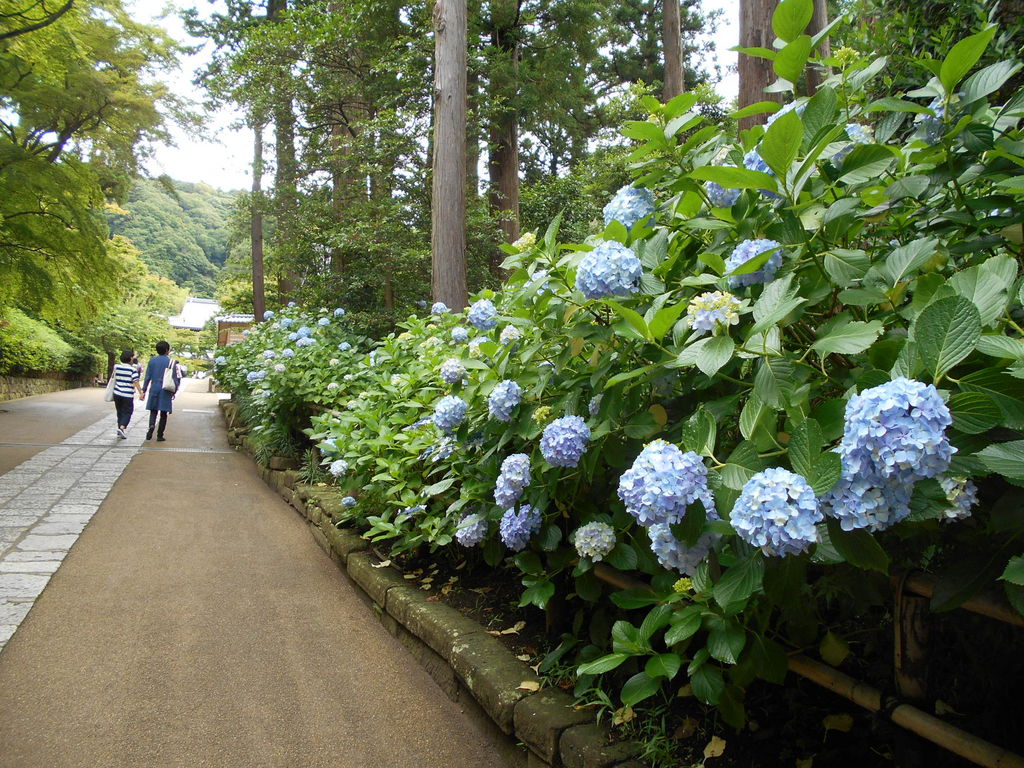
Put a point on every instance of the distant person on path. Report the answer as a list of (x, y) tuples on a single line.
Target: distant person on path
[(126, 385), (159, 399)]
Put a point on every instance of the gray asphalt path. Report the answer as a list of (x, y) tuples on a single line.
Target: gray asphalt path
[(196, 623)]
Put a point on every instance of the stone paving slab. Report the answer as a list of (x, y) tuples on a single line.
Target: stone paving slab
[(45, 504)]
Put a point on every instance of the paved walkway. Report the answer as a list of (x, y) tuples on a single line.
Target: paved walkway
[(194, 621)]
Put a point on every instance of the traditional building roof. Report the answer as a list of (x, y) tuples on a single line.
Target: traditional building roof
[(195, 314)]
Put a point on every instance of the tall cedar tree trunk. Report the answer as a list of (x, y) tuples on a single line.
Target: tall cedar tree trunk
[(473, 134), (503, 161), (756, 74), (448, 195), (819, 21), (286, 173), (672, 45), (259, 302)]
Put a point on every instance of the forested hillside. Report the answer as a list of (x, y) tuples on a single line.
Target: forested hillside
[(180, 228)]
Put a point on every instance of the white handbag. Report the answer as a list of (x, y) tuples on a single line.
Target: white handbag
[(169, 385), (108, 396)]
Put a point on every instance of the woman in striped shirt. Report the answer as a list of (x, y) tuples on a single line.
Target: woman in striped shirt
[(126, 386)]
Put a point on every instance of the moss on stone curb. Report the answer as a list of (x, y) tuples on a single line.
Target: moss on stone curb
[(455, 650)]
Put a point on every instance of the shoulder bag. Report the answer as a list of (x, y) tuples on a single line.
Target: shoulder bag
[(108, 396), (169, 385)]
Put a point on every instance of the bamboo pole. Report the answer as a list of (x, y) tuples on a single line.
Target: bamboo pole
[(985, 604), (926, 726)]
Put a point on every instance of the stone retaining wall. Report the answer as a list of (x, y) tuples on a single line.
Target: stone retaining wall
[(14, 387), (466, 663)]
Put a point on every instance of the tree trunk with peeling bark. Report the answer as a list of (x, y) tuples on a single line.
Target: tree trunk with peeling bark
[(672, 46), (816, 76), (756, 74), (259, 302)]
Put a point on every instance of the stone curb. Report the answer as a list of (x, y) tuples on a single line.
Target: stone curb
[(454, 649)]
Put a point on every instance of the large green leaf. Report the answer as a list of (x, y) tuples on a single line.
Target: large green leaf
[(1005, 458), (973, 412), (1006, 391), (731, 177), (989, 80), (699, 432), (791, 18), (858, 547), (1001, 347), (726, 639), (714, 354), (664, 319), (804, 447), (849, 338), (986, 286), (639, 687), (684, 625), (867, 162), (963, 56), (946, 332), (789, 63), (707, 683), (781, 143), (904, 261), (741, 465), (774, 381), (603, 664), (1014, 572), (663, 665), (846, 266), (740, 581)]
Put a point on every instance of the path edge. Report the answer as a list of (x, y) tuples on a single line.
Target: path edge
[(454, 649)]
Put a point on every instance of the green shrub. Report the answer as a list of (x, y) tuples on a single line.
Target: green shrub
[(30, 346)]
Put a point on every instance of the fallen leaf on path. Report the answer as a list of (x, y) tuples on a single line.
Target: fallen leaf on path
[(481, 590), (461, 565), (715, 748), (514, 629), (523, 657), (624, 715), (433, 598), (528, 685), (408, 575), (381, 564)]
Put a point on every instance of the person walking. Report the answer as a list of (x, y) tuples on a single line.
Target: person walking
[(159, 400), (126, 385)]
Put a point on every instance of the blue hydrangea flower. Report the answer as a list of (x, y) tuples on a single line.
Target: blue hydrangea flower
[(932, 127), (220, 360), (449, 413), (858, 134), (509, 335), (674, 555), (268, 314), (269, 354), (594, 406), (629, 205), (460, 335), (471, 531), (799, 106), (513, 480), (333, 385), (719, 196), (611, 269), (305, 341), (713, 311), (291, 303), (962, 494), (252, 376), (286, 322), (288, 353), (338, 468), (279, 367), (594, 540), (746, 251), (323, 322), (897, 430), (777, 511), (753, 161), (867, 501), (339, 312), (516, 528), (503, 398), (452, 371), (293, 336), (304, 332), (663, 482), (439, 308), (413, 511), (565, 441), (344, 346), (329, 446), (483, 315), (348, 502)]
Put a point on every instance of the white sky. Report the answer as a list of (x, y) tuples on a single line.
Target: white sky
[(223, 156)]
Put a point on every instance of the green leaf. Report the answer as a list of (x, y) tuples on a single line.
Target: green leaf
[(663, 665), (805, 447), (1001, 347), (754, 413), (656, 618), (988, 80), (638, 688), (963, 56), (603, 664), (858, 547), (791, 18), (986, 286), (664, 319), (1005, 391), (946, 332), (740, 581), (707, 683), (906, 259), (973, 412), (833, 649), (1014, 572), (774, 381), (789, 63), (820, 112), (781, 143), (726, 639), (641, 130), (757, 108), (630, 316), (626, 638), (1005, 458), (827, 470), (714, 354), (537, 594), (731, 177), (684, 625), (866, 163), (441, 487), (846, 266), (622, 557), (699, 432), (848, 339), (741, 465)]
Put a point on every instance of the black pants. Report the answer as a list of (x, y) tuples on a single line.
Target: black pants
[(163, 422), (125, 408)]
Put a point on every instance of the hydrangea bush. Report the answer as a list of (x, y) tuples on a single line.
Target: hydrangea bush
[(803, 366)]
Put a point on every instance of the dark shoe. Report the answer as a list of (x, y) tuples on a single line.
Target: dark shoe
[(161, 439), (149, 434)]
